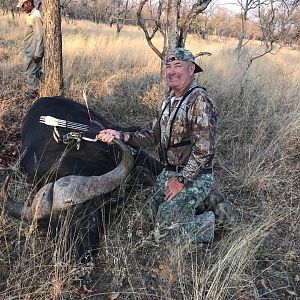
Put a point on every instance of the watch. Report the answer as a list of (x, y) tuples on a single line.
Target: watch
[(180, 179)]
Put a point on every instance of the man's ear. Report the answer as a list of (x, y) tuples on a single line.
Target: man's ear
[(192, 68)]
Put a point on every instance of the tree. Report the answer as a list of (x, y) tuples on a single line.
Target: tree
[(172, 20), (267, 12), (188, 16), (245, 6), (8, 5), (120, 13), (53, 84)]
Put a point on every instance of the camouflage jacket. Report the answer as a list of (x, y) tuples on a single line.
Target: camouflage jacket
[(186, 130), (34, 35)]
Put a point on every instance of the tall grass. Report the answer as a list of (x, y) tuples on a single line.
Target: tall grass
[(257, 165)]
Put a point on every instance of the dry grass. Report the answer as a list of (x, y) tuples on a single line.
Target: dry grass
[(257, 166)]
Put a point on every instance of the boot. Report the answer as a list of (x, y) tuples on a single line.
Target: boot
[(221, 206)]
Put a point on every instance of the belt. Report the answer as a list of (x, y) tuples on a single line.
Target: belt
[(177, 169)]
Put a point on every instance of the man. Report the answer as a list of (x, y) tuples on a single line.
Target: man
[(185, 129), (33, 46)]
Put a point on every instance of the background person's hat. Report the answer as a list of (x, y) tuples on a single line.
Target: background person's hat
[(21, 2), (182, 54)]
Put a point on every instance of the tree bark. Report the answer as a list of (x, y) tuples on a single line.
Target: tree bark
[(242, 32), (172, 27), (53, 66)]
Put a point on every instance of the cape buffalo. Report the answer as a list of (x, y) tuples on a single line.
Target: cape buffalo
[(68, 169)]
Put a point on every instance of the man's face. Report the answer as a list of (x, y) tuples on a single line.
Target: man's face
[(179, 74), (27, 7)]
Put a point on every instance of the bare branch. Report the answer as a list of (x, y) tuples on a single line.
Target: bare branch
[(196, 9), (142, 24)]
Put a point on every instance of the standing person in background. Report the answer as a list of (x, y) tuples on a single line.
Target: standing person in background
[(185, 129), (33, 46)]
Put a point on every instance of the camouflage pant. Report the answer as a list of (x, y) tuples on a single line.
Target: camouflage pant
[(33, 73), (177, 219)]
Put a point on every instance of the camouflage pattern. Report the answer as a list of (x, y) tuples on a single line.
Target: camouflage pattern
[(182, 54), (186, 128), (195, 121), (176, 220)]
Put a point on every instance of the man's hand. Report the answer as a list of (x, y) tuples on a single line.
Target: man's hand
[(107, 135), (173, 188), (37, 60)]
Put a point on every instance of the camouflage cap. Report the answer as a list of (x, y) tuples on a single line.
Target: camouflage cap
[(184, 55)]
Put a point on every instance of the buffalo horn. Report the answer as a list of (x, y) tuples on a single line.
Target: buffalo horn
[(71, 190)]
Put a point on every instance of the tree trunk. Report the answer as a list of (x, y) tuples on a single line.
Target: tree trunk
[(172, 27), (53, 67), (240, 41), (241, 35), (170, 43)]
